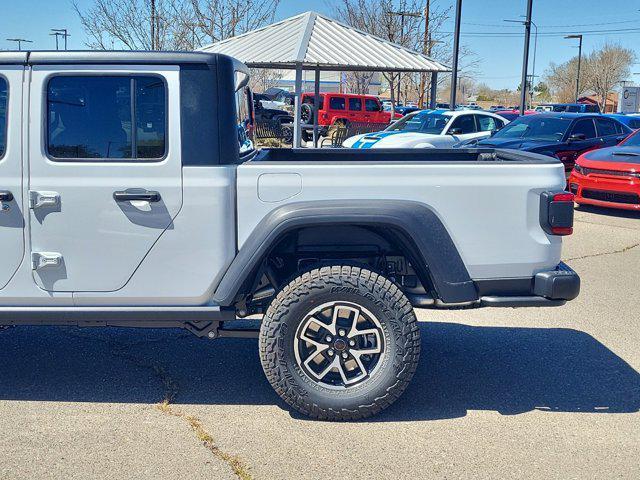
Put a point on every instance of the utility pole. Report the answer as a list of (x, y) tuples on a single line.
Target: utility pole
[(456, 52), (579, 62), (525, 60), (19, 41), (60, 32)]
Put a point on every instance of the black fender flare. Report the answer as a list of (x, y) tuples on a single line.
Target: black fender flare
[(419, 229)]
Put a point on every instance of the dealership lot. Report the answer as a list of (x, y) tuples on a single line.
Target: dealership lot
[(499, 393)]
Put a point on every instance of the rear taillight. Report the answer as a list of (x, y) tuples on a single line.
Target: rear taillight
[(556, 212)]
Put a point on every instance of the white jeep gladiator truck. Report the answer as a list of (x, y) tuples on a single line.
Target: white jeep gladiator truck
[(132, 196)]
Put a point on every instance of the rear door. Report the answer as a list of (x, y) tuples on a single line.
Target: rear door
[(355, 109), (11, 205), (609, 131), (487, 124), (105, 171)]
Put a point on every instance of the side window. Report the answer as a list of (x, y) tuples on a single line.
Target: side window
[(116, 117), (584, 127), (635, 124), (486, 123), (244, 119), (355, 104), (465, 123), (371, 105), (336, 103), (3, 116), (606, 127)]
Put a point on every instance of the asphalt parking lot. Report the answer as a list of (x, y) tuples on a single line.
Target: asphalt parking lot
[(499, 393)]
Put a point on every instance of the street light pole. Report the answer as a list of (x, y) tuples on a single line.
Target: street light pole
[(456, 51), (579, 62)]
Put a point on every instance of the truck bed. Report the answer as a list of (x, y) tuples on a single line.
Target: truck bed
[(488, 200)]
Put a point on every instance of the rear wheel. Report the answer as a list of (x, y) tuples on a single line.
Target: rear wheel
[(340, 343)]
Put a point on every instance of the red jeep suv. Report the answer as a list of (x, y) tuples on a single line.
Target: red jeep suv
[(341, 108)]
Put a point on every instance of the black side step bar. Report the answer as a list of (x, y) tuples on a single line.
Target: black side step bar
[(207, 321)]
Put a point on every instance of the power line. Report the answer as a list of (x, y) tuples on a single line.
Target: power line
[(553, 26), (549, 34)]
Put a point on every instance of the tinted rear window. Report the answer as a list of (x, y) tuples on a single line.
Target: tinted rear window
[(114, 117)]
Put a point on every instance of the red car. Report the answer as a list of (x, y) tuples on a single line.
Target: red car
[(609, 177), (342, 108)]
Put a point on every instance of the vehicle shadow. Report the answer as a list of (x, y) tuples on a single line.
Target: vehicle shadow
[(506, 369), (610, 212)]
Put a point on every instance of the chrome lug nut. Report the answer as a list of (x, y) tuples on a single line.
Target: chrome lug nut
[(330, 352), (328, 338), (342, 333), (345, 355), (352, 343)]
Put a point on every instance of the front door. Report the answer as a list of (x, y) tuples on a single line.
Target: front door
[(11, 205), (105, 176)]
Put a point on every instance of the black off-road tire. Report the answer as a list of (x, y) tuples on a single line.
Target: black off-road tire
[(354, 285)]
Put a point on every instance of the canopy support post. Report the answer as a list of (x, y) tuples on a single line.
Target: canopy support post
[(316, 107), (434, 90), (297, 131)]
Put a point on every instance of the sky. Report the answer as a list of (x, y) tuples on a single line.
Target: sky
[(499, 55)]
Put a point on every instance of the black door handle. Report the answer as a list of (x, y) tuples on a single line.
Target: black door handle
[(6, 196), (136, 194)]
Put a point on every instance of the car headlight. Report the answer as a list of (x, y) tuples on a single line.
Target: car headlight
[(578, 169)]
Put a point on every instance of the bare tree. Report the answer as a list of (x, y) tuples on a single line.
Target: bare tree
[(561, 79), (376, 17), (221, 19), (170, 24), (601, 71), (262, 79), (607, 67)]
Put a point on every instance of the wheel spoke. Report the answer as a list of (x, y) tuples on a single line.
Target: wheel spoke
[(329, 326), (335, 363), (336, 345)]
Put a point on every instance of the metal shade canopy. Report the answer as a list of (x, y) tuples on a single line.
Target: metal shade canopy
[(311, 41)]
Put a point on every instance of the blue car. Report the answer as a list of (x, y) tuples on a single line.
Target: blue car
[(630, 121), (564, 136)]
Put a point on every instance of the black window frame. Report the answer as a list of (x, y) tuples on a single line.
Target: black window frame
[(6, 119), (133, 159)]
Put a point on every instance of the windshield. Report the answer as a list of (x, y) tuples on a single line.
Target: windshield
[(534, 127), (423, 122), (633, 140)]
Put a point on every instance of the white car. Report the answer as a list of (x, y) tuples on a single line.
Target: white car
[(431, 129)]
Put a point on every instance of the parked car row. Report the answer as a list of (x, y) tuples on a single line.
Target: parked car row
[(431, 129)]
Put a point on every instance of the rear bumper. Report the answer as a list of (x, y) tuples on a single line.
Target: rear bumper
[(546, 289), (621, 192)]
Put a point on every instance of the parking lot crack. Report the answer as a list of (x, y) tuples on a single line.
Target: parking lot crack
[(170, 390), (601, 254)]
